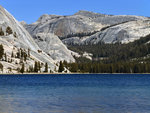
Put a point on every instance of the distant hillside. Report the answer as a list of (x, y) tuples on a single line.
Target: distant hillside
[(84, 28), (100, 43), (83, 42), (133, 57)]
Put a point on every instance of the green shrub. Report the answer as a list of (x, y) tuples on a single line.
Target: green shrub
[(9, 30)]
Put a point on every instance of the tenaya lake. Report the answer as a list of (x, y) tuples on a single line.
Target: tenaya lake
[(75, 93)]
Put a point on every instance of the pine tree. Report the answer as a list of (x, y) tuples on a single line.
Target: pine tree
[(9, 30), (1, 51), (1, 32), (31, 69), (51, 71), (11, 60), (55, 70), (61, 67), (25, 56), (22, 69), (1, 67), (28, 52), (65, 63), (18, 53), (46, 68), (15, 34), (74, 67), (22, 53), (36, 67), (12, 54), (39, 66)]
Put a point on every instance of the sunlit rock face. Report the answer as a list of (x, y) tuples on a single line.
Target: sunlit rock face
[(123, 33), (54, 47), (86, 27), (19, 38)]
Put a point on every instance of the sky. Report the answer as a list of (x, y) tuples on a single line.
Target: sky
[(30, 10)]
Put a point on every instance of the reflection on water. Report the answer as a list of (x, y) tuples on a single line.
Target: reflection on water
[(75, 94)]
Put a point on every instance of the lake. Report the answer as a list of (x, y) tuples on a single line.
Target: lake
[(75, 93)]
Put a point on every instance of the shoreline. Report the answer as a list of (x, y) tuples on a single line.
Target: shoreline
[(75, 74)]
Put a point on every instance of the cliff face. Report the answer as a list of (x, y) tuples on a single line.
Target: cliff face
[(44, 41), (63, 25), (53, 46), (16, 39), (90, 28)]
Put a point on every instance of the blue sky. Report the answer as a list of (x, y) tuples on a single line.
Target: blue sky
[(31, 10)]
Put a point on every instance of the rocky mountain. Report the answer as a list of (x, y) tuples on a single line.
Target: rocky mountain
[(86, 27), (21, 49), (124, 33), (53, 46), (63, 25), (43, 44)]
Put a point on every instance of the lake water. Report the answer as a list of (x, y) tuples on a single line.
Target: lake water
[(75, 93)]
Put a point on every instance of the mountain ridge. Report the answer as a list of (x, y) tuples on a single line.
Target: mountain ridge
[(18, 43), (84, 23), (43, 45)]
